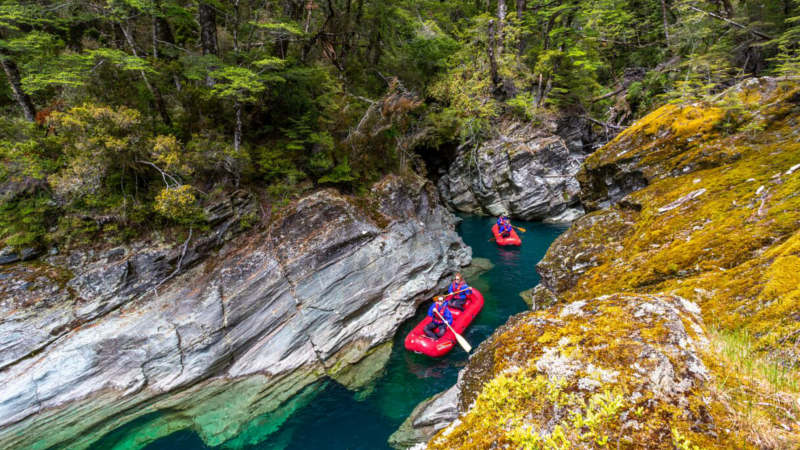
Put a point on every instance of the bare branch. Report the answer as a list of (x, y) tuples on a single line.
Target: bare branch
[(744, 27), (603, 124), (164, 174)]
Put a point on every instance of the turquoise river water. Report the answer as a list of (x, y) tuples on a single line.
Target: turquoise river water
[(336, 418)]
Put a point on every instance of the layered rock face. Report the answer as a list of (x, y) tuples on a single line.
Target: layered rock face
[(527, 171), (694, 238), (92, 341)]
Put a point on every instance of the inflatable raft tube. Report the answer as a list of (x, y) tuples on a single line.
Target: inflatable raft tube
[(512, 239), (418, 342)]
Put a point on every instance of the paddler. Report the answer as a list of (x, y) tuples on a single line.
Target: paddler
[(462, 291), (503, 225), (436, 328)]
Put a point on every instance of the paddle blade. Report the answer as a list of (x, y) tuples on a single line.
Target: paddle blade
[(520, 229), (463, 342)]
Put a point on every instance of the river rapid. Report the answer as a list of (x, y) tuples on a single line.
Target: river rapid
[(329, 416)]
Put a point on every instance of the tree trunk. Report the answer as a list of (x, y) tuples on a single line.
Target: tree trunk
[(501, 21), (521, 7), (236, 26), (161, 107), (664, 19), (309, 8), (207, 17), (154, 35), (492, 57), (725, 6), (374, 48), (163, 34), (348, 33), (295, 8), (359, 12), (12, 74), (237, 133), (544, 89)]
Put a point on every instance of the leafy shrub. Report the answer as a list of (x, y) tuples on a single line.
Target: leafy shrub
[(179, 204), (24, 221)]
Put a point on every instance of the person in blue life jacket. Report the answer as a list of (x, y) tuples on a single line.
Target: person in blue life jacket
[(458, 300), (436, 328), (503, 226)]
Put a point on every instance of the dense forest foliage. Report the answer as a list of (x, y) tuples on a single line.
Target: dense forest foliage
[(122, 116)]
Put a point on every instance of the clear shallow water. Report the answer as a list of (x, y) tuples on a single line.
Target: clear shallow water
[(336, 418)]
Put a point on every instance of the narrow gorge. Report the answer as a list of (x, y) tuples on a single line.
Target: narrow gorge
[(649, 305), (399, 224)]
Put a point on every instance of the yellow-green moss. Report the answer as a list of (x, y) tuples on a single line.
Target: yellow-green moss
[(723, 241), (605, 349), (719, 224)]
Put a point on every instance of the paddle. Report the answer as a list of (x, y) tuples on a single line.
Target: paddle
[(519, 228), (454, 293), (461, 341)]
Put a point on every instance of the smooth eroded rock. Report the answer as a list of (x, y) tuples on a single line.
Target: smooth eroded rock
[(244, 324)]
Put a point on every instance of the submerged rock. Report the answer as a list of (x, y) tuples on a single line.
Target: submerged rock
[(477, 267), (427, 418), (229, 328), (527, 171)]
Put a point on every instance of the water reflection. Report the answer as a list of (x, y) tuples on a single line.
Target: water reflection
[(437, 368), (508, 257)]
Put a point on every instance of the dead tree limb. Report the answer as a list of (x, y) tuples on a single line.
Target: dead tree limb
[(736, 24), (603, 124)]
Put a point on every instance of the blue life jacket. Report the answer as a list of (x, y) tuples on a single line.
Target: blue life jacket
[(444, 311), (455, 288)]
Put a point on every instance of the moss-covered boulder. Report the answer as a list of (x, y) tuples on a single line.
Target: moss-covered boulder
[(718, 223), (621, 370)]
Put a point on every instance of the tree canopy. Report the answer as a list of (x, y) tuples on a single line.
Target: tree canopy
[(130, 114)]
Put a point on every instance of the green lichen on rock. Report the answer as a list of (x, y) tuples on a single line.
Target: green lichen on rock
[(368, 369), (623, 369), (718, 222)]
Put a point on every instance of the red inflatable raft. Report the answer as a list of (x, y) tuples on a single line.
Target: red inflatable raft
[(418, 342), (512, 239)]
